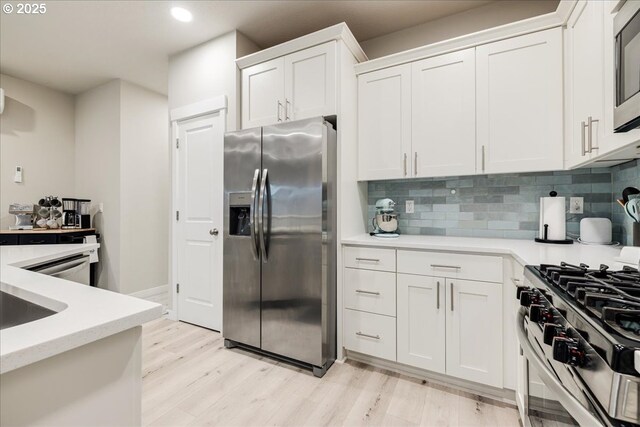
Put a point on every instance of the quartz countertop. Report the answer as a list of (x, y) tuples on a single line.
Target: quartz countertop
[(526, 252), (84, 313)]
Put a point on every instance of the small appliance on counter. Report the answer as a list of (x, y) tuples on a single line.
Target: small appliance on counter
[(595, 231), (553, 220), (76, 213), (68, 213), (24, 216), (385, 222)]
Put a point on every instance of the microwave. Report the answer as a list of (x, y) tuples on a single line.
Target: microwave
[(626, 26)]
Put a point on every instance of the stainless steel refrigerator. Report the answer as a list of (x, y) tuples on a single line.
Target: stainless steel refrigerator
[(280, 241)]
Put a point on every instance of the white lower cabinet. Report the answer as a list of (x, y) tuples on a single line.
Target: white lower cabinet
[(372, 334), (421, 322), (474, 331)]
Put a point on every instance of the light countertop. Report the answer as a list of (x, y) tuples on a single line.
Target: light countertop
[(526, 252), (85, 313)]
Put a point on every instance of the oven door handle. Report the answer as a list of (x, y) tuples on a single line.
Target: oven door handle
[(570, 403)]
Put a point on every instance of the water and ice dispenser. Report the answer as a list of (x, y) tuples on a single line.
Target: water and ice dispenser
[(239, 213)]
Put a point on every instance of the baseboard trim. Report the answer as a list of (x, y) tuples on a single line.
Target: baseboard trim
[(502, 396), (151, 292)]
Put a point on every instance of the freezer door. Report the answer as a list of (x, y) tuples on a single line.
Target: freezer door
[(241, 274), (293, 215)]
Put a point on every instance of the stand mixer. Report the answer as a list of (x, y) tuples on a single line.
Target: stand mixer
[(385, 222)]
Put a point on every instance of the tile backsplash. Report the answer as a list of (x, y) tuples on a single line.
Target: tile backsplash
[(504, 206), (624, 175)]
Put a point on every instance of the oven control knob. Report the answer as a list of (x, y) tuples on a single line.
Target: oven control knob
[(535, 312), (520, 290), (529, 297), (552, 330), (566, 350)]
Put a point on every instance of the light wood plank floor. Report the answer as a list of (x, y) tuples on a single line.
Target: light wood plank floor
[(190, 379)]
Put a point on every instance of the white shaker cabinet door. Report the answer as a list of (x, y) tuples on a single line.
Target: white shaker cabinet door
[(584, 81), (310, 85), (444, 115), (474, 331), (421, 321), (519, 103), (384, 123), (263, 94)]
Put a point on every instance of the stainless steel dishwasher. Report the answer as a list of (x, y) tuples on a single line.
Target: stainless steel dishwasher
[(74, 268)]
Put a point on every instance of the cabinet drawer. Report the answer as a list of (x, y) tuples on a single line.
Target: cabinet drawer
[(372, 291), (484, 268), (8, 239), (370, 258), (371, 334), (38, 239)]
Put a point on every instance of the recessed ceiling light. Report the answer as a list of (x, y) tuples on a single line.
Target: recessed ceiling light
[(181, 14)]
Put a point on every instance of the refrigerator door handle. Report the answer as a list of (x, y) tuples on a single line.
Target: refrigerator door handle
[(253, 216), (261, 199)]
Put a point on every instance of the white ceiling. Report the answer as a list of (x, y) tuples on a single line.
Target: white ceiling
[(77, 45)]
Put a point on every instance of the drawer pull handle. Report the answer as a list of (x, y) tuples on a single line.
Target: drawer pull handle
[(455, 267), (515, 281), (360, 291), (375, 337), (438, 296), (452, 296), (368, 259)]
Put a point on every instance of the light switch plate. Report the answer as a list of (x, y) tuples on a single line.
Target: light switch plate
[(576, 205), (409, 206)]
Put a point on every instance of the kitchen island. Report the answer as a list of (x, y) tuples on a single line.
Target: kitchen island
[(78, 366)]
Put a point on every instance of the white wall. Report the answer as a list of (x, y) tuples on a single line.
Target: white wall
[(145, 189), (37, 133), (470, 21), (207, 71), (97, 168)]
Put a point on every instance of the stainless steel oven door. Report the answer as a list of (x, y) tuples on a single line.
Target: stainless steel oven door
[(550, 393)]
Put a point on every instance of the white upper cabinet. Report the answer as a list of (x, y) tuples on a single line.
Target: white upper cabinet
[(263, 93), (296, 86), (474, 353), (584, 82), (444, 115), (384, 123), (519, 103), (310, 82)]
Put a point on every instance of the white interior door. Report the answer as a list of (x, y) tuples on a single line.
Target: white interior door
[(199, 223)]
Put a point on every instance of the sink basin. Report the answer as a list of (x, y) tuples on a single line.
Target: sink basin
[(16, 311)]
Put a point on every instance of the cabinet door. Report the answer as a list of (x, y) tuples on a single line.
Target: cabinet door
[(474, 325), (584, 77), (310, 82), (263, 94), (519, 103), (443, 112), (384, 123), (421, 321)]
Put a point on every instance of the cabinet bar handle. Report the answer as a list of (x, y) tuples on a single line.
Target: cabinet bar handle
[(451, 296), (375, 337), (360, 291), (590, 124), (405, 164), (483, 158), (583, 127), (279, 105), (446, 266), (368, 259), (438, 296), (286, 109), (415, 163)]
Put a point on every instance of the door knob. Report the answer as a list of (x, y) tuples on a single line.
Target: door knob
[(213, 231)]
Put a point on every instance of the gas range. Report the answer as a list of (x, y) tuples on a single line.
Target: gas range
[(584, 323)]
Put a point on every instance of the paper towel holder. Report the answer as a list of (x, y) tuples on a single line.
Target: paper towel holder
[(544, 239)]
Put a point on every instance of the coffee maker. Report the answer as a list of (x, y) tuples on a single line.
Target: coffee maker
[(76, 213), (385, 222), (83, 215)]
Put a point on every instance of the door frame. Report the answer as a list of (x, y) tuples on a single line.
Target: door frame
[(176, 115)]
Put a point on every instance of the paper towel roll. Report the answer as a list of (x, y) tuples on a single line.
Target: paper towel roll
[(552, 213)]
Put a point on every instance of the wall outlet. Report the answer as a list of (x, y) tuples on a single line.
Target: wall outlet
[(409, 207), (101, 207), (576, 205)]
